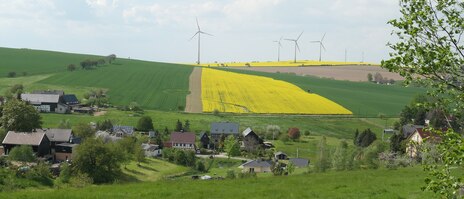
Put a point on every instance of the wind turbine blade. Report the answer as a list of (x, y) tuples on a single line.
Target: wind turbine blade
[(198, 24), (299, 36), (289, 39), (314, 41), (206, 33), (281, 38), (323, 37), (194, 36), (297, 46), (323, 46)]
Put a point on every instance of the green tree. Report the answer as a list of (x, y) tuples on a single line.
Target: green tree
[(369, 77), (105, 125), (231, 146), (145, 123), (200, 166), (84, 130), (322, 163), (20, 116), (339, 159), (429, 52), (272, 132), (290, 167), (22, 153), (179, 126), (187, 126), (65, 173), (100, 161)]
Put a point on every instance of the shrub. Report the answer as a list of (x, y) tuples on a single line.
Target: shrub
[(247, 175), (11, 74), (22, 153), (80, 180), (230, 174), (200, 166), (71, 67), (294, 133)]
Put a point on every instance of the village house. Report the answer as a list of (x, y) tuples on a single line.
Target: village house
[(122, 131), (416, 139), (70, 100), (37, 140), (151, 150), (182, 140), (299, 162), (107, 137), (64, 151), (256, 166), (251, 141), (204, 139), (220, 130), (409, 129), (57, 136), (46, 102)]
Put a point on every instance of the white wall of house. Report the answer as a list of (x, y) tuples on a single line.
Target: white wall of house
[(183, 145)]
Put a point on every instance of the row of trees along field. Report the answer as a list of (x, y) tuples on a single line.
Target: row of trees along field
[(90, 64)]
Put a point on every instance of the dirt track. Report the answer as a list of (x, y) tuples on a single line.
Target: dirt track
[(193, 104), (350, 73)]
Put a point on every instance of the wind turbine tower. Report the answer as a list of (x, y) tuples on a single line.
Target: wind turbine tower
[(296, 44), (321, 46), (199, 32), (279, 45)]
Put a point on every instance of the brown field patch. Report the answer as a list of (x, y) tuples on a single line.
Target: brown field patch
[(350, 73)]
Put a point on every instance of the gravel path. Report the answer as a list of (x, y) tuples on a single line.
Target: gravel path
[(193, 104)]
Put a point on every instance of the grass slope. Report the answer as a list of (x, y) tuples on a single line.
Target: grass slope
[(363, 99), (338, 127), (35, 62), (401, 183), (152, 85)]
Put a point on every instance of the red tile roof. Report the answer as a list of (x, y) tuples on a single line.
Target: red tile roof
[(179, 137)]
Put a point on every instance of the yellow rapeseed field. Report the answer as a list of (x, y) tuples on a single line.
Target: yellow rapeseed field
[(239, 93), (284, 64)]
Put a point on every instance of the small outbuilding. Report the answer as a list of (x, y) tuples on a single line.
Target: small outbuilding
[(280, 155), (204, 139), (256, 166), (299, 162), (65, 151)]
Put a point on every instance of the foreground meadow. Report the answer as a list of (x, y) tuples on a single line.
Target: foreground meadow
[(381, 183), (237, 93)]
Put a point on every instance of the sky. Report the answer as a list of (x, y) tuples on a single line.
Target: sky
[(243, 30)]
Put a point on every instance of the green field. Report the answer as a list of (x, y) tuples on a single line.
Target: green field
[(152, 85), (362, 98), (35, 62), (338, 127), (382, 183)]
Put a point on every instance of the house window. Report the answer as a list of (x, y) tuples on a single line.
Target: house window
[(252, 170)]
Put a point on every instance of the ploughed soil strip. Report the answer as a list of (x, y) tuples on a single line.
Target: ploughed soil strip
[(194, 104), (350, 73)]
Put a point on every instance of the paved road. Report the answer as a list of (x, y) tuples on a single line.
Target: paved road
[(222, 155)]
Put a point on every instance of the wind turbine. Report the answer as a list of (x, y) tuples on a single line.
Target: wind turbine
[(296, 44), (199, 32), (279, 45), (321, 45)]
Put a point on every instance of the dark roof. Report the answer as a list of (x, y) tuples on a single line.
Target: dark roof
[(57, 135), (247, 131), (67, 145), (299, 162), (40, 98), (53, 92), (203, 134), (129, 130), (70, 99), (224, 128), (426, 133), (409, 129), (22, 138), (257, 163), (179, 137)]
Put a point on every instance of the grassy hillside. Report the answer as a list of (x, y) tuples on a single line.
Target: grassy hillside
[(152, 85), (363, 99), (401, 183), (35, 62)]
